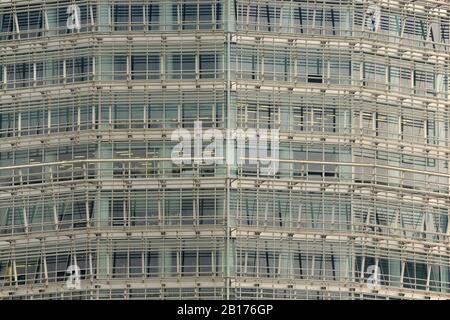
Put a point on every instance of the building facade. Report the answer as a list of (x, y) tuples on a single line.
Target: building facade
[(93, 205)]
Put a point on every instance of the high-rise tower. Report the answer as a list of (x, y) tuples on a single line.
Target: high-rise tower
[(93, 205)]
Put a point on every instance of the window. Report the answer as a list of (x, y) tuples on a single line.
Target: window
[(183, 66), (415, 275), (119, 209), (207, 211), (7, 26), (62, 119), (153, 263), (121, 16), (120, 264), (135, 264), (7, 124), (57, 267), (156, 116), (197, 15), (33, 122), (187, 211), (153, 16), (136, 17), (120, 68), (189, 115), (22, 74), (188, 262), (145, 67), (78, 69), (315, 67), (412, 129), (73, 215), (268, 262), (139, 67), (208, 66), (30, 23), (205, 263)]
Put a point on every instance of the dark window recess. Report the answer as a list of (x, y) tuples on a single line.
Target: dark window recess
[(137, 17), (7, 26), (7, 124), (78, 69), (23, 74), (205, 16), (188, 262), (195, 16), (30, 23), (153, 67), (207, 211), (184, 66), (205, 262), (189, 16), (152, 264), (133, 15), (119, 209), (207, 66), (120, 68), (445, 32), (135, 264), (187, 211), (145, 67), (153, 17), (121, 16), (315, 78), (138, 67), (57, 267), (74, 215), (120, 262)]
